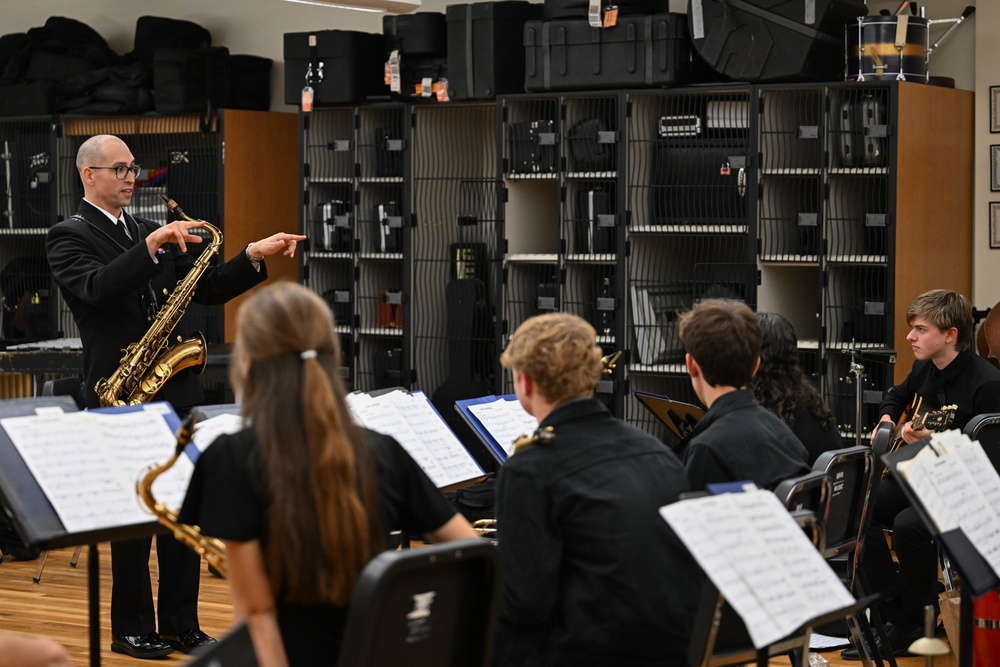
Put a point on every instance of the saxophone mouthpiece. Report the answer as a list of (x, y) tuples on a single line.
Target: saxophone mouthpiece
[(173, 207)]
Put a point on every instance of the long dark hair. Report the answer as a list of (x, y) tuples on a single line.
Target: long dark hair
[(779, 385), (323, 504)]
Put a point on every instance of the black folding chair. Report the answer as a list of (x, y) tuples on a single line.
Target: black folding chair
[(810, 491), (433, 606)]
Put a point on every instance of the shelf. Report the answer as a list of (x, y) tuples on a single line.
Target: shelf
[(381, 256), (591, 174), (880, 260), (791, 171), (727, 229), (547, 176), (676, 369), (604, 258), (329, 179), (381, 331), (798, 260), (532, 258), (858, 171), (381, 180), (24, 231)]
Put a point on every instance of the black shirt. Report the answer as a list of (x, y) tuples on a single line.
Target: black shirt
[(969, 381), (814, 437), (737, 440), (592, 574), (227, 498)]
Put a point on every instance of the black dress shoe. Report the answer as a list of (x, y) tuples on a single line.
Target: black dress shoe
[(141, 646), (189, 641), (899, 643)]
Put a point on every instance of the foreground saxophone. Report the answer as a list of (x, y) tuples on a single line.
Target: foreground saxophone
[(209, 548), (147, 365)]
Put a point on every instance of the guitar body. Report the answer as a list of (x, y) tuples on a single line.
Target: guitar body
[(934, 420)]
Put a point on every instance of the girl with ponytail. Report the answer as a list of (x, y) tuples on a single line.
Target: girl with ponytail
[(303, 497)]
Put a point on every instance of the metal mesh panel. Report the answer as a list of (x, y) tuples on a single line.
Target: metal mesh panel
[(454, 249), (839, 389), (857, 307), (330, 220), (381, 219), (689, 238), (688, 163)]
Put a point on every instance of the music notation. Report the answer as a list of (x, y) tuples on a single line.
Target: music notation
[(760, 560), (411, 419), (87, 463)]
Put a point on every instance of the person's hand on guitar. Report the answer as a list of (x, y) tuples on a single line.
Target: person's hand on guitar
[(909, 435)]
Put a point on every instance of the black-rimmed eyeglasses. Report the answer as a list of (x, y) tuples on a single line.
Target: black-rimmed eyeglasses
[(121, 170)]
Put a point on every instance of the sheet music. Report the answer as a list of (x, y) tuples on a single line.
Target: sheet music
[(760, 560), (413, 421), (207, 430), (958, 487), (505, 420), (87, 463)]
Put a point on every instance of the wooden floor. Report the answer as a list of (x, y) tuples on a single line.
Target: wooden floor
[(57, 608)]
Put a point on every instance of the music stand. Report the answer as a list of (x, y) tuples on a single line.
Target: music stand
[(977, 576), (36, 520), (679, 417)]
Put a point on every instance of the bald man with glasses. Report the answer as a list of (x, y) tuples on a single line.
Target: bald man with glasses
[(111, 269)]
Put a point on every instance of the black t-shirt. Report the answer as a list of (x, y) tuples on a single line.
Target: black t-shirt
[(737, 440), (227, 498)]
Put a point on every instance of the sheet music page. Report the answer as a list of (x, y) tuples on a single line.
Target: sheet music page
[(957, 485), (505, 420), (207, 430), (87, 463), (760, 560), (453, 461), (412, 421), (919, 474)]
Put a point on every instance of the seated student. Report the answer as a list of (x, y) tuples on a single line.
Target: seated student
[(945, 372), (737, 439), (592, 574), (781, 387), (303, 498)]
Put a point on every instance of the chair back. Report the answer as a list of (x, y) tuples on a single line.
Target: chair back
[(810, 491), (986, 429), (850, 471), (433, 606), (66, 386)]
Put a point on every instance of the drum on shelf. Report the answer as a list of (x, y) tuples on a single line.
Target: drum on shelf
[(986, 631), (887, 47)]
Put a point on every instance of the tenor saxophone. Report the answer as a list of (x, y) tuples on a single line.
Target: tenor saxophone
[(209, 548), (146, 365)]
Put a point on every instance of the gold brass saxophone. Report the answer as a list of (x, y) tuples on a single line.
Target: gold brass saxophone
[(146, 365), (209, 548)]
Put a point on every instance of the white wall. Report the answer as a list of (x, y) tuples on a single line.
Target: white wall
[(256, 27)]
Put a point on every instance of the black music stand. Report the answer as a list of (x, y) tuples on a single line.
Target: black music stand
[(978, 578), (36, 520)]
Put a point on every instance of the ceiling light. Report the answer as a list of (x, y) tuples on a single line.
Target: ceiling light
[(392, 6)]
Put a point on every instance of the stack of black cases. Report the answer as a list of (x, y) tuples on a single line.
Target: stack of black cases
[(341, 66), (480, 37), (637, 52), (417, 52)]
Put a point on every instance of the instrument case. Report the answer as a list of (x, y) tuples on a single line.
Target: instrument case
[(575, 9), (595, 222), (480, 37), (690, 185), (773, 40), (640, 51), (423, 34), (343, 67), (533, 147)]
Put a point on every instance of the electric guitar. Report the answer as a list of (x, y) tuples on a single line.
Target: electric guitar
[(934, 420)]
